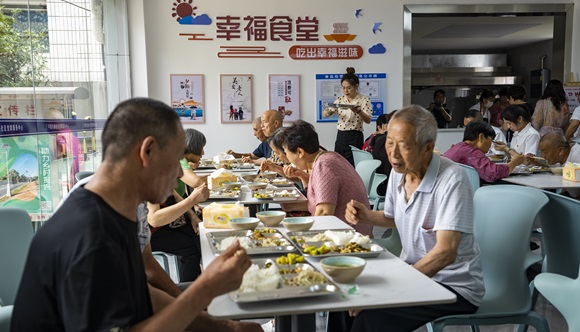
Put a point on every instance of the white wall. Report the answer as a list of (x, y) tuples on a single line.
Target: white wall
[(157, 51)]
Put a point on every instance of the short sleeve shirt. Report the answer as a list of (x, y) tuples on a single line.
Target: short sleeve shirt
[(263, 150), (348, 119), (443, 201), (576, 116), (333, 180), (526, 141)]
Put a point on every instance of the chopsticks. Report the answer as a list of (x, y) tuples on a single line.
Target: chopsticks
[(538, 158)]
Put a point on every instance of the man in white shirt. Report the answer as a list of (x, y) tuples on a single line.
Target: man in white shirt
[(429, 201), (557, 151)]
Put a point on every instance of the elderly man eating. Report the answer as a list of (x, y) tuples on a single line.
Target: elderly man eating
[(429, 201), (557, 151)]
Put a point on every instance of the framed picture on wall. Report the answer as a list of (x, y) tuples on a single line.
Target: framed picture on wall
[(187, 97), (284, 92), (236, 98)]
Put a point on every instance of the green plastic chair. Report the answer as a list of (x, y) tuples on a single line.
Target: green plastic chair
[(366, 170), (503, 234), (15, 236), (5, 317), (374, 198), (359, 155), (564, 294), (560, 231), (473, 177)]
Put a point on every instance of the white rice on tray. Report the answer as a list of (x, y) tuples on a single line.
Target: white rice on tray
[(260, 280), (245, 242)]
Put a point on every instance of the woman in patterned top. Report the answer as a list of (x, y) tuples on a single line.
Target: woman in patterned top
[(355, 109)]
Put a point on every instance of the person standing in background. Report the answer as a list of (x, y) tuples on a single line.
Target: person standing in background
[(351, 117), (486, 100), (438, 109), (552, 113)]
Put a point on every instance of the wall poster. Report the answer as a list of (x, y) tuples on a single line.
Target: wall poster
[(328, 88), (236, 98), (187, 97), (284, 91)]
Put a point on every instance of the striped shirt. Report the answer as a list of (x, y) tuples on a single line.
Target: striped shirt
[(443, 201)]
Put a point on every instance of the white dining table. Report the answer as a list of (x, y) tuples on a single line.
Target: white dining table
[(542, 181), (386, 281)]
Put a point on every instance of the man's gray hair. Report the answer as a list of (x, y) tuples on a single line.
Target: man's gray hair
[(420, 118)]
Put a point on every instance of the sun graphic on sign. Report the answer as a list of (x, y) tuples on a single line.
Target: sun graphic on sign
[(183, 8)]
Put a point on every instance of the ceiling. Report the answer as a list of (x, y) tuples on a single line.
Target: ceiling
[(479, 33)]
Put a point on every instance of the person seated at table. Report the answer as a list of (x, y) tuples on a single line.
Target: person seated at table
[(526, 138), (84, 269), (164, 291), (557, 151), (379, 153), (473, 115), (382, 123), (333, 181), (477, 140), (271, 121), (195, 142), (174, 225), (429, 201), (262, 151)]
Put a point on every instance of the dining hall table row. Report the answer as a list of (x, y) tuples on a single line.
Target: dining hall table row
[(386, 281)]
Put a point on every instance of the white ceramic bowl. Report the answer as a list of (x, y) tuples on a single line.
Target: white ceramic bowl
[(556, 170), (343, 269), (244, 223), (271, 218), (298, 224), (257, 185), (269, 175), (249, 177)]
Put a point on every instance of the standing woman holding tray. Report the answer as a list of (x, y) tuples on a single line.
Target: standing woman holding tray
[(352, 109)]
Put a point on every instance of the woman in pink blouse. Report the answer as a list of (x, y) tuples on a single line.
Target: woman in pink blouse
[(333, 181), (552, 113)]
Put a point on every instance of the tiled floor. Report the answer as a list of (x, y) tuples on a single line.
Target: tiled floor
[(555, 320)]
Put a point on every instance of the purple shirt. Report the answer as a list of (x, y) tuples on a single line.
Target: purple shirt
[(333, 180), (466, 154)]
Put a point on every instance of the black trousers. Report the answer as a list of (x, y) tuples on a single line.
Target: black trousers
[(346, 138), (404, 319), (182, 242)]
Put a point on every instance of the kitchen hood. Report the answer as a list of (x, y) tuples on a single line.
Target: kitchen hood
[(463, 70)]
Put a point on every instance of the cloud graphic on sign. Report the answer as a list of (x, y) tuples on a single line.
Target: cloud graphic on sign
[(377, 49), (202, 19)]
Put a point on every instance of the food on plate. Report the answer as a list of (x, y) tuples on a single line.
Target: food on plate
[(338, 238), (306, 278), (329, 248), (259, 233), (290, 259), (284, 193), (258, 279), (262, 195), (224, 193), (245, 242)]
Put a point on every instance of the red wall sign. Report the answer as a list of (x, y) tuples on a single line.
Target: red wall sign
[(319, 52)]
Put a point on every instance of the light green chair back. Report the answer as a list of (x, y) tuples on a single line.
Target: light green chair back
[(503, 231), (15, 236), (564, 294), (473, 177), (359, 155), (366, 170)]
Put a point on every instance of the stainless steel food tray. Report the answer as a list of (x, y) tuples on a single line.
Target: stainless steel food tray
[(221, 195), (285, 291), (215, 238), (375, 249)]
